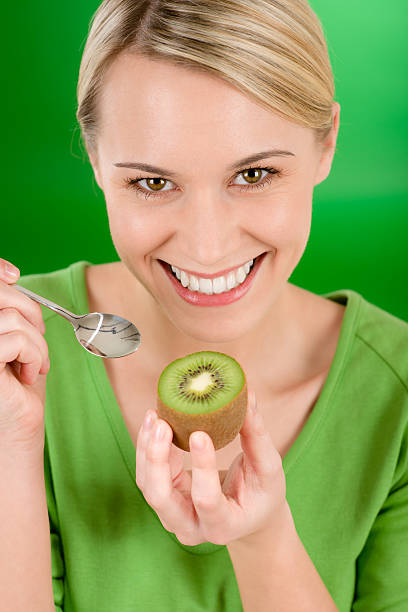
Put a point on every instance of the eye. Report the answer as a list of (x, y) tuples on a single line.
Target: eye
[(250, 176), (155, 184)]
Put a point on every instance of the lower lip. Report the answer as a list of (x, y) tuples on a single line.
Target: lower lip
[(217, 299)]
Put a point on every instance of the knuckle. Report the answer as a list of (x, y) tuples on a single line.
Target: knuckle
[(205, 502), (20, 337), (269, 468), (276, 466), (156, 500), (36, 312), (187, 540), (43, 345), (268, 479), (32, 310), (154, 454), (13, 300), (11, 316), (37, 361)]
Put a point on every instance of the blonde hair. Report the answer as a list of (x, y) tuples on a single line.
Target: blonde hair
[(271, 50)]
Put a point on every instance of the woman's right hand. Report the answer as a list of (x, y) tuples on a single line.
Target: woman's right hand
[(24, 364)]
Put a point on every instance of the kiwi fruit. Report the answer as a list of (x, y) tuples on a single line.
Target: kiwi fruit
[(205, 391)]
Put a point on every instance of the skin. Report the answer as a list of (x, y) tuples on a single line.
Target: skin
[(197, 126), (205, 223)]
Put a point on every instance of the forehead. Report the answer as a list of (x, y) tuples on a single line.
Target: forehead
[(157, 102)]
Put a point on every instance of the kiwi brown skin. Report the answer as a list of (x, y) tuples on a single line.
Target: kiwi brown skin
[(221, 425)]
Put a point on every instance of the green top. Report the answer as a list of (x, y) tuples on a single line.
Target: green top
[(346, 478)]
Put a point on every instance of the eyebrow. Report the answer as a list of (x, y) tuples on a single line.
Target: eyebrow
[(246, 160)]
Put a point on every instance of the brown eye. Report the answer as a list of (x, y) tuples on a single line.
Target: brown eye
[(157, 186), (155, 183), (252, 175)]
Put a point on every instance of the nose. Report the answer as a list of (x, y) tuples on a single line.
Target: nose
[(208, 228)]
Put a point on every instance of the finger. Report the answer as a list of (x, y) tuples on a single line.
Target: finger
[(16, 346), (176, 454), (206, 492), (259, 450), (8, 272), (158, 489), (12, 320), (142, 437), (12, 298)]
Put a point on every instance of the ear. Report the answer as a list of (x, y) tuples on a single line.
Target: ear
[(95, 168), (328, 148)]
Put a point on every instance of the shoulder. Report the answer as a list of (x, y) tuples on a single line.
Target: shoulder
[(375, 340), (373, 380), (386, 337)]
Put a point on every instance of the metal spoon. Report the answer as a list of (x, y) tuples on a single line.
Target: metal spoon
[(105, 335)]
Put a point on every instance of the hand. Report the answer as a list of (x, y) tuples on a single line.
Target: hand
[(195, 505), (23, 365)]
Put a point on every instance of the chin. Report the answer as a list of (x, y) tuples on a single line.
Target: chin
[(216, 331)]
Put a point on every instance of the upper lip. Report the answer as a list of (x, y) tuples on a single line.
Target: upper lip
[(221, 273)]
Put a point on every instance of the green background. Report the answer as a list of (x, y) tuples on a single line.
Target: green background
[(53, 212)]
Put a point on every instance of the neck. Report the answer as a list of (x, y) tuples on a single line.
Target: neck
[(267, 348)]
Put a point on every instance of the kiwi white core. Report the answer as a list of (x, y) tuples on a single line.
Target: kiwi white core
[(201, 382)]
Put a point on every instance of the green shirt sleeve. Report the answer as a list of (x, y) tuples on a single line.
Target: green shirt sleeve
[(382, 566)]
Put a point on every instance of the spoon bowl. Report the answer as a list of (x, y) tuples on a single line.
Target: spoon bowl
[(107, 335), (102, 334)]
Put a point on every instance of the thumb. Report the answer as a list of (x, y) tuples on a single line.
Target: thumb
[(253, 420), (8, 272)]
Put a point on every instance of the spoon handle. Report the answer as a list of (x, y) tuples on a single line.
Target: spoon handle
[(69, 316)]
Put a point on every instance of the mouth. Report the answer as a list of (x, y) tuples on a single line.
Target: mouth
[(218, 291)]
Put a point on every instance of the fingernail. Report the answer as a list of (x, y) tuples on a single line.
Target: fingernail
[(159, 433), (253, 402), (11, 271), (198, 440), (148, 421)]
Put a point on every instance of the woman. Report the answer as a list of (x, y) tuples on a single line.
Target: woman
[(208, 125)]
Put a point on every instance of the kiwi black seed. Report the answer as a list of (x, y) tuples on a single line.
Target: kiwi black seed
[(204, 391)]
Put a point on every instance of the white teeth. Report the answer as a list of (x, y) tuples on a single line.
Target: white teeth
[(194, 285), (206, 285), (231, 281), (184, 279), (215, 285), (240, 275), (219, 284)]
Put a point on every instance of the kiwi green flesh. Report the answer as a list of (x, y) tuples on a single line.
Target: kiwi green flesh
[(201, 382)]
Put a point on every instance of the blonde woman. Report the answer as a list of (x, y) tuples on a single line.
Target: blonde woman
[(208, 124)]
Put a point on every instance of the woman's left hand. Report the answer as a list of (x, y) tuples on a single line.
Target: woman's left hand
[(195, 505)]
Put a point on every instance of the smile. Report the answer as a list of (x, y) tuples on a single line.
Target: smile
[(218, 291), (219, 284)]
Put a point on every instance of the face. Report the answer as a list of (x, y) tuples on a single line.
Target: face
[(203, 211)]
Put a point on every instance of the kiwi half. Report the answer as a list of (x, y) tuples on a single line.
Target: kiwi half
[(203, 391)]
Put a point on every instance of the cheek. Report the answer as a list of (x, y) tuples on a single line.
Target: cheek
[(286, 220), (135, 231)]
